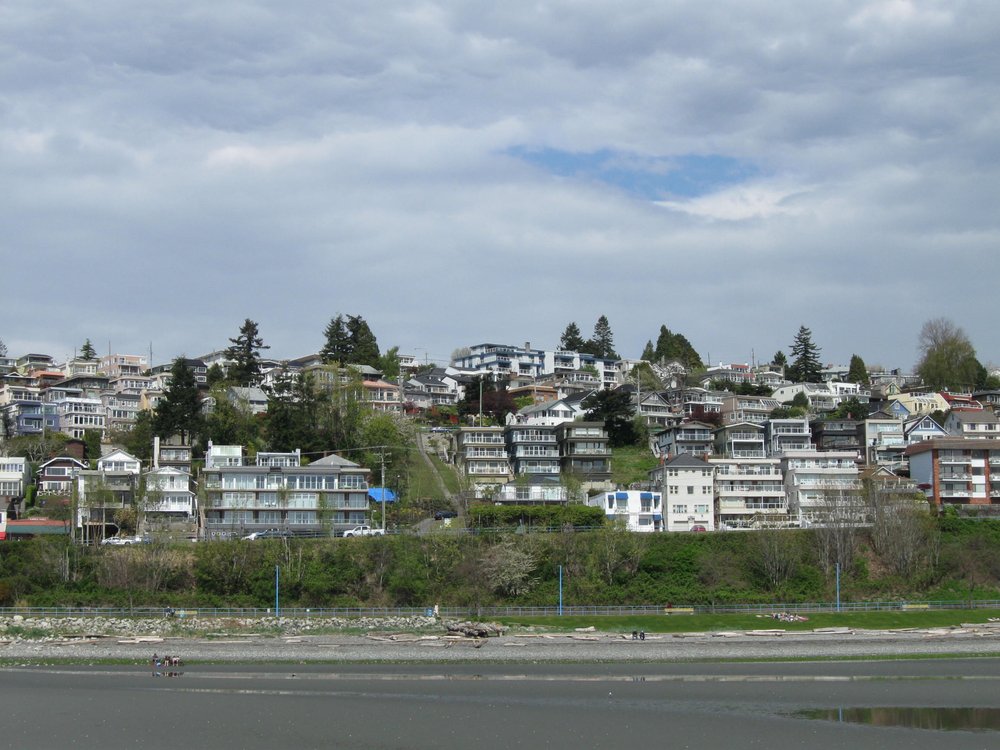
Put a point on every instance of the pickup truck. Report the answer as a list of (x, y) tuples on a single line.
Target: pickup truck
[(364, 531)]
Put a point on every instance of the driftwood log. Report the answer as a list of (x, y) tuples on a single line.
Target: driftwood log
[(475, 629)]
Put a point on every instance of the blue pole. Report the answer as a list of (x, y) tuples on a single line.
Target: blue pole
[(560, 590), (838, 587), (276, 579)]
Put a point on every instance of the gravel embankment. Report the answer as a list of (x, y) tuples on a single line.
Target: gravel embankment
[(425, 640)]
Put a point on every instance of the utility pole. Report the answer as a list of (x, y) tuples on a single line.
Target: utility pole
[(381, 454)]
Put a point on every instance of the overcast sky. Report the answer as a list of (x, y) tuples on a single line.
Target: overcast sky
[(462, 172)]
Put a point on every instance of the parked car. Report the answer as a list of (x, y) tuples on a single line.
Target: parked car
[(268, 534), (364, 531), (121, 541), (440, 515)]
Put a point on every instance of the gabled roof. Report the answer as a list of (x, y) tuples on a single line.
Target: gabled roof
[(63, 459)]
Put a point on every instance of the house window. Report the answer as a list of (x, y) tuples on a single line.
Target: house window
[(680, 509), (690, 490)]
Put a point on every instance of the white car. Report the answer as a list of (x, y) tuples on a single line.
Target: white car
[(120, 541), (364, 531)]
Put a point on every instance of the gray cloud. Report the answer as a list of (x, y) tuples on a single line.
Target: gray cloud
[(171, 170)]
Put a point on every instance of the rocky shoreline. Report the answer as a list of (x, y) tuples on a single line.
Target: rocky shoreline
[(425, 639)]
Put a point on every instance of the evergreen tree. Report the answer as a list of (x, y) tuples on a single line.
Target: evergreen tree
[(602, 343), (215, 375), (779, 359), (615, 410), (179, 410), (245, 353), (364, 347), (648, 352), (388, 364), (857, 373), (571, 339), (671, 345), (87, 351), (805, 366), (338, 342)]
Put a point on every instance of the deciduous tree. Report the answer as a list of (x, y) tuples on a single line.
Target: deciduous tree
[(947, 357)]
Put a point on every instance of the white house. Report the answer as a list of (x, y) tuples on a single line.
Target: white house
[(688, 488), (639, 511)]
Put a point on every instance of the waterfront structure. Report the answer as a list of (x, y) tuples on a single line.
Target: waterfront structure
[(819, 484), (636, 510), (481, 456), (273, 490), (957, 471), (749, 493), (688, 488)]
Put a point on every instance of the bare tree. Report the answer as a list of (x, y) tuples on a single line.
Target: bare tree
[(903, 533), (842, 514), (776, 555), (507, 568), (618, 551)]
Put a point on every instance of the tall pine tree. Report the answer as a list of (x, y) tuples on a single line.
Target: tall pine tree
[(857, 373), (805, 366), (602, 343), (364, 347), (179, 410), (571, 339), (338, 342), (245, 353)]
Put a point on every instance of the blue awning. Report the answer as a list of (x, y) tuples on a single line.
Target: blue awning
[(645, 495), (379, 493), (621, 495)]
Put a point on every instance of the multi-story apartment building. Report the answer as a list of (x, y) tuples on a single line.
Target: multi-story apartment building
[(687, 486), (101, 493), (382, 396), (972, 424), (693, 403), (638, 510), (739, 440), (755, 409), (836, 434), (123, 365), (516, 362), (532, 449), (693, 438), (819, 484), (749, 493), (584, 452), (481, 455), (14, 476), (120, 410), (324, 497), (788, 435), (882, 442), (957, 471)]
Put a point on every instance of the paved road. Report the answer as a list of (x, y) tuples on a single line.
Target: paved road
[(489, 706)]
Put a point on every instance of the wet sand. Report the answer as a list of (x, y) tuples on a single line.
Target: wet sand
[(593, 705)]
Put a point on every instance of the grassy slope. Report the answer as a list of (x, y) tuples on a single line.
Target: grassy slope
[(631, 464)]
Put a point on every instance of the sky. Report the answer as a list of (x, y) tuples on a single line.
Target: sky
[(466, 172)]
